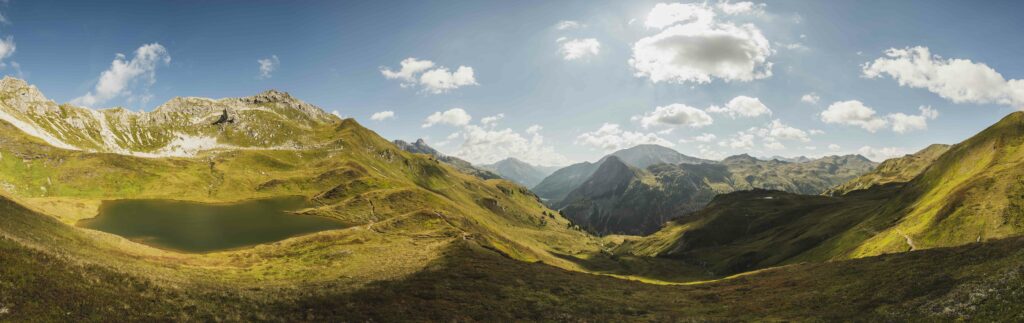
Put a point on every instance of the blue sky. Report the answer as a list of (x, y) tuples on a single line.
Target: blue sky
[(571, 80)]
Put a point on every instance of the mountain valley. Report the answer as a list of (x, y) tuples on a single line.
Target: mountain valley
[(421, 234)]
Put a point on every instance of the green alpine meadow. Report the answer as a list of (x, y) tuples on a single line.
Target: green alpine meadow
[(433, 161)]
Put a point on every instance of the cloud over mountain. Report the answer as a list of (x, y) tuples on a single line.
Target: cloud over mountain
[(695, 47), (415, 72), (123, 73), (956, 79)]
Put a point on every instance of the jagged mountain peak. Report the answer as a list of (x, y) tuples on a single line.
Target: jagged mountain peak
[(181, 127), (269, 96)]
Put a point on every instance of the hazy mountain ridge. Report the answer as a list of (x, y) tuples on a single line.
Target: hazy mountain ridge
[(560, 183), (519, 171), (665, 191), (421, 147)]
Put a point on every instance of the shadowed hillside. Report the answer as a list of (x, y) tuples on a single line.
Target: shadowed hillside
[(971, 193)]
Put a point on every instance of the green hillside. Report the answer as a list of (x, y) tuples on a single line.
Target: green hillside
[(971, 193), (421, 147), (981, 282), (896, 170), (350, 173)]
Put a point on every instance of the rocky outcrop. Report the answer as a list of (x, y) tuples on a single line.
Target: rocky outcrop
[(180, 127)]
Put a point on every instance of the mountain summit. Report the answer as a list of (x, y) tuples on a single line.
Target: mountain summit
[(519, 171), (182, 127), (561, 182)]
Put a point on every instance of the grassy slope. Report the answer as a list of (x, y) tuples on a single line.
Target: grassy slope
[(895, 170), (971, 193), (401, 207), (748, 230), (981, 281)]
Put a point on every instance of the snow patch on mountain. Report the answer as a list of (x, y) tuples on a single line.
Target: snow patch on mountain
[(35, 131), (185, 145)]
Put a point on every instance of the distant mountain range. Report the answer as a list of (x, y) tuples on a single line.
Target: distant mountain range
[(555, 187), (421, 147), (512, 169), (620, 197), (941, 196), (520, 172)]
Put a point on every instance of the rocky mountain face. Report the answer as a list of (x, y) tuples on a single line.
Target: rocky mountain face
[(519, 171), (664, 191), (421, 147), (895, 170), (179, 128), (561, 182)]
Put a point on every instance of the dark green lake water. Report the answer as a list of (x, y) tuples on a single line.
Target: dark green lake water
[(199, 227)]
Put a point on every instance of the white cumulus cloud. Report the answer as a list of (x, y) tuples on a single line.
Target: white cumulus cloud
[(810, 98), (853, 113), (741, 8), (667, 14), (902, 123), (742, 140), (423, 73), (481, 145), (611, 137), (770, 135), (410, 68), (955, 79), (492, 120), (881, 153), (383, 115), (676, 114), (742, 106), (268, 66), (452, 117), (7, 48), (573, 49), (780, 131), (534, 129), (693, 47), (440, 80), (568, 24), (123, 73)]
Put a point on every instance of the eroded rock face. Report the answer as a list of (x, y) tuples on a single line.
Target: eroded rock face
[(182, 127)]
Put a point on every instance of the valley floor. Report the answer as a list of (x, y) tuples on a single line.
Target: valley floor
[(983, 282)]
